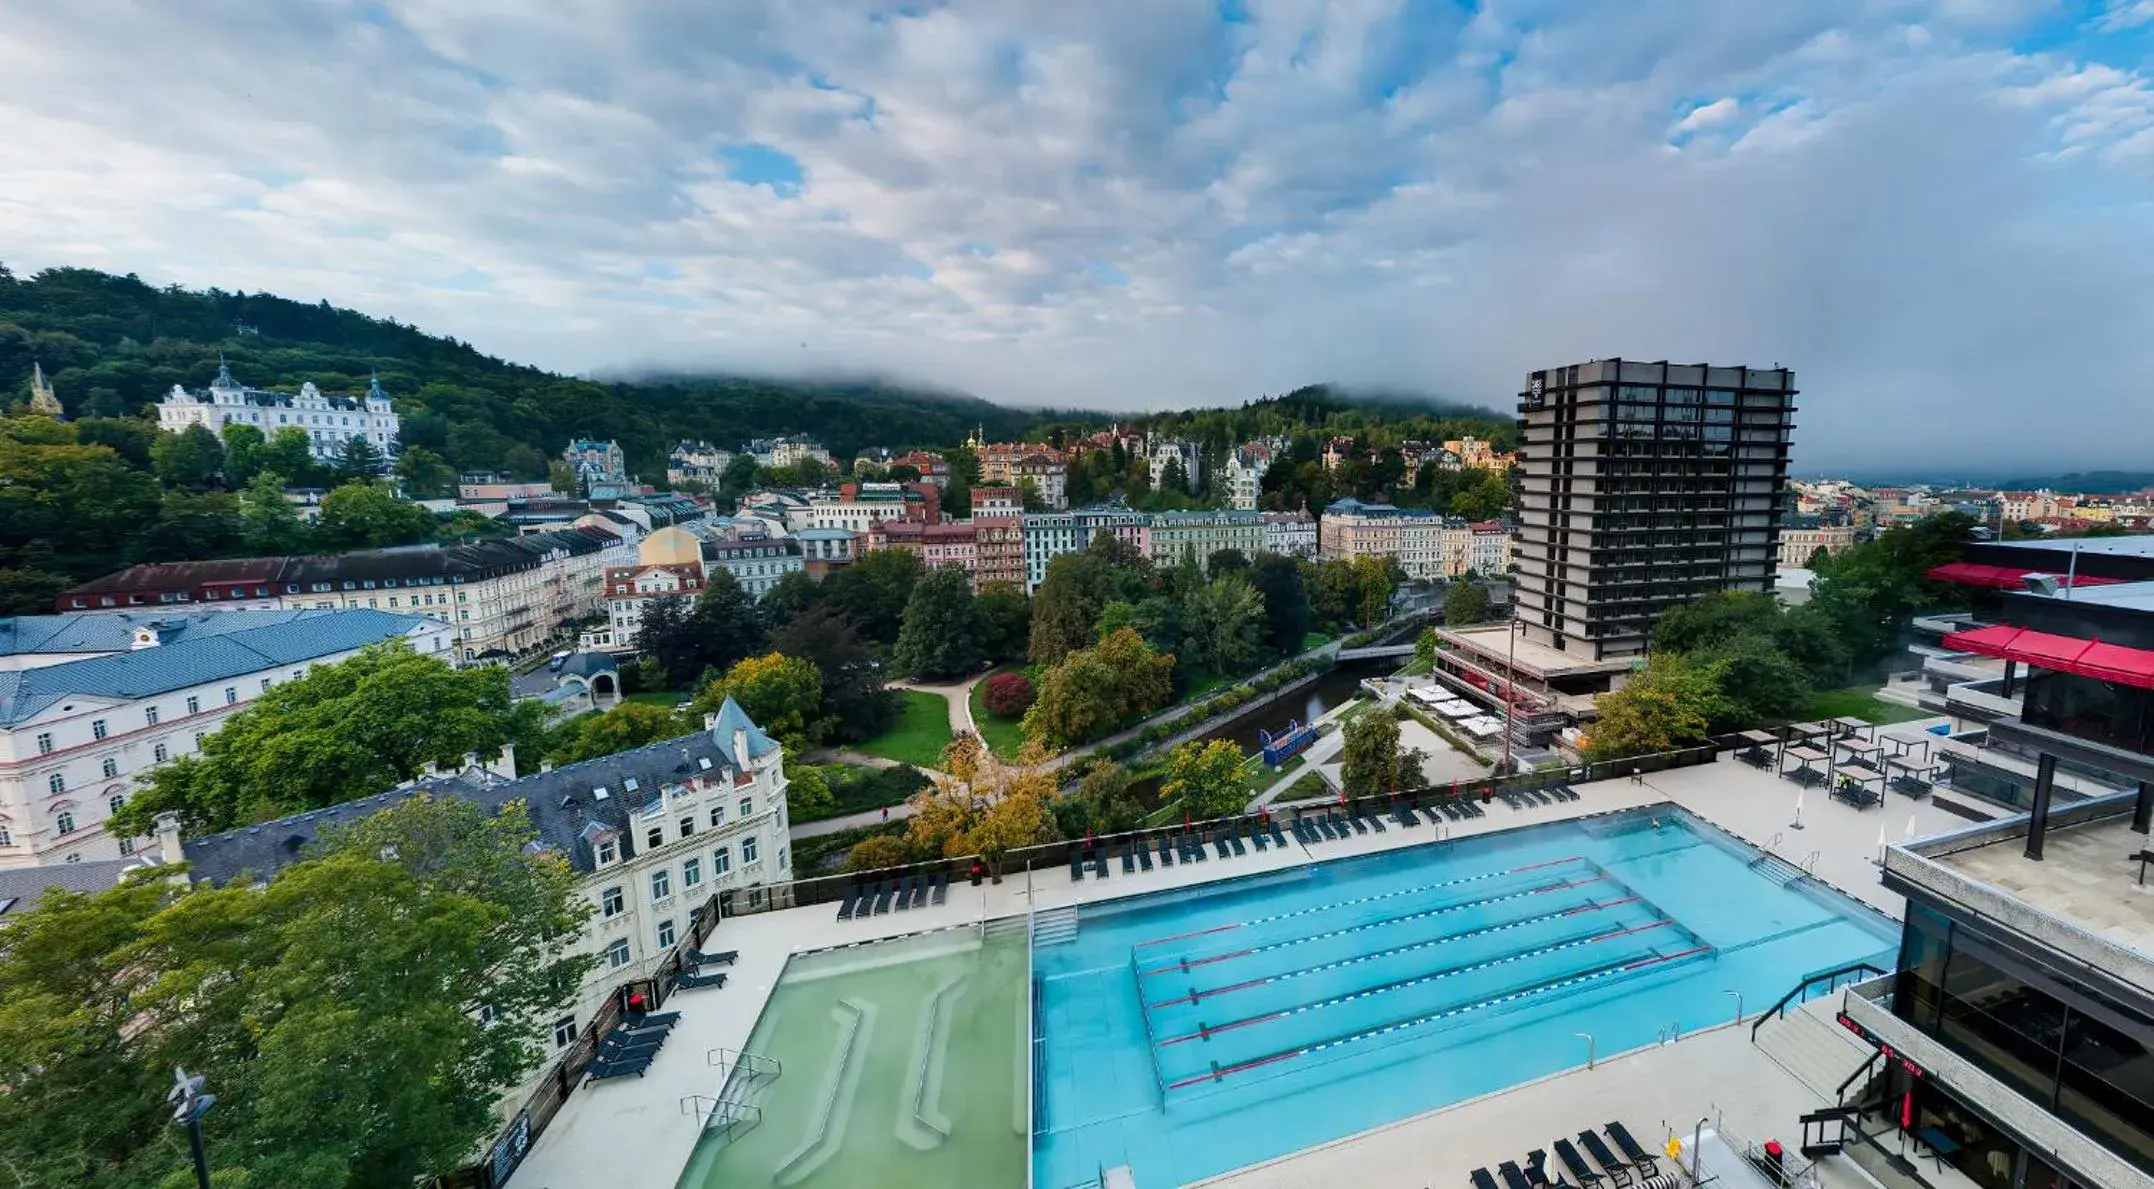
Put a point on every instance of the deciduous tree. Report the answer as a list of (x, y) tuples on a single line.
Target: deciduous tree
[(371, 516), (941, 633), (781, 694), (1668, 706), (1206, 778), (855, 704), (626, 726)]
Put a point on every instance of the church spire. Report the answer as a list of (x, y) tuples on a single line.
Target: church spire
[(224, 373), (43, 401)]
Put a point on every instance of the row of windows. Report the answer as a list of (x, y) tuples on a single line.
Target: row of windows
[(612, 902)]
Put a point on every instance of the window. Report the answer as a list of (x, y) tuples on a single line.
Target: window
[(654, 838), (665, 934), (66, 822), (7, 836), (661, 883), (609, 902), (127, 846), (747, 806), (111, 767), (199, 736), (160, 754), (56, 783), (688, 825), (564, 1031), (747, 852), (231, 695), (97, 728), (721, 861), (717, 816), (194, 704), (691, 872), (608, 852), (617, 954), (485, 1015), (265, 685), (44, 743), (115, 801)]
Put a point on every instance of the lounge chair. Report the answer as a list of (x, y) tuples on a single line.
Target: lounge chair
[(1258, 836), (699, 958), (1144, 856), (1166, 852), (1617, 1169), (941, 890), (909, 895), (1129, 862), (636, 1044), (1481, 1179), (1512, 1177), (1099, 863), (1646, 1162), (852, 897), (1234, 839), (1581, 1171), (1376, 822), (1321, 827), (1076, 867), (1354, 820), (1192, 850), (919, 894), (599, 1070), (883, 892), (1219, 844), (653, 1019), (1277, 839), (689, 980), (1537, 1168)]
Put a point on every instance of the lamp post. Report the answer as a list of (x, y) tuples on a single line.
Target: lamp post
[(189, 1104)]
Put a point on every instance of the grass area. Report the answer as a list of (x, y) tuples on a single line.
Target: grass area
[(826, 853), (1859, 702), (1312, 785), (921, 732), (1315, 640), (1256, 777), (856, 788), (664, 699), (1203, 689), (1003, 736)]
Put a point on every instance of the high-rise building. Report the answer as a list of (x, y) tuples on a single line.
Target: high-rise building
[(1644, 486)]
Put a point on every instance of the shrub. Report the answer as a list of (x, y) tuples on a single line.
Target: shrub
[(1007, 695)]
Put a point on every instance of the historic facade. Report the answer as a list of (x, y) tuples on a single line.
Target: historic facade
[(329, 421)]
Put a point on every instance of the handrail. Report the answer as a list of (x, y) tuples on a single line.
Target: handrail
[(1830, 978), (1840, 1093)]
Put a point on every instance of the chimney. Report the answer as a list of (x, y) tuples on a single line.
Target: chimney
[(740, 747), (169, 848), (545, 765), (710, 721), (504, 765)]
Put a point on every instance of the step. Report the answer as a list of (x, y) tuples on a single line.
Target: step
[(1811, 1045)]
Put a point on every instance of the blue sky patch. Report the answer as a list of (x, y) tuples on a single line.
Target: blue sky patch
[(759, 164)]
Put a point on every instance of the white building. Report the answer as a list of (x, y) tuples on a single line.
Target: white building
[(654, 835), (330, 421), (858, 507), (777, 453), (696, 462), (88, 703), (1164, 451), (756, 565), (1246, 465), (1290, 533), (1488, 548)]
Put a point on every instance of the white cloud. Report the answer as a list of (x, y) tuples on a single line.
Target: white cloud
[(1133, 204)]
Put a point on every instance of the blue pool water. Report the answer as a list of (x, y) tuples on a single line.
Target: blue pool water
[(1192, 1032)]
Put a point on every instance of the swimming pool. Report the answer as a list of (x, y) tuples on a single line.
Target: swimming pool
[(1192, 1032)]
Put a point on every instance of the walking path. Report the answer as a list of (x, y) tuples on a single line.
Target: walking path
[(957, 693), (852, 821)]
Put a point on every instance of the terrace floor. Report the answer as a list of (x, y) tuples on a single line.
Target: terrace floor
[(637, 1133)]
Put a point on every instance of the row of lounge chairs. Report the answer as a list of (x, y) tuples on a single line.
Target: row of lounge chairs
[(1634, 1165), (631, 1046), (893, 895), (1528, 798), (1225, 841), (695, 976), (1334, 824)]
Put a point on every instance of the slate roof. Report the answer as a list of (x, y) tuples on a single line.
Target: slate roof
[(23, 887), (292, 638), (563, 803), (114, 631)]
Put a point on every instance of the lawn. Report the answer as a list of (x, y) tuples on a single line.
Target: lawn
[(1315, 640), (921, 732), (1003, 736), (1858, 702), (664, 699)]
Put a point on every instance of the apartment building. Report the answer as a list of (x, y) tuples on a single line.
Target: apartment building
[(1245, 467), (1292, 534), (757, 564), (329, 421), (1049, 535), (91, 702), (998, 521), (652, 834), (500, 598), (1166, 452), (858, 507), (1645, 485), (778, 453), (696, 462), (1194, 536), (1488, 548), (1350, 528), (1801, 538)]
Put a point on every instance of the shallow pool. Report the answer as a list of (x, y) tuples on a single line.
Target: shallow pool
[(1192, 1032)]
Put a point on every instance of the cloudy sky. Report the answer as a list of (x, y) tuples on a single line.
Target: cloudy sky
[(1940, 212)]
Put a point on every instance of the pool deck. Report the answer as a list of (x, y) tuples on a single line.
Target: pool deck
[(589, 1142)]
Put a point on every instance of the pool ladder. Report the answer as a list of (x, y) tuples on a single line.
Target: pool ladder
[(1670, 1034)]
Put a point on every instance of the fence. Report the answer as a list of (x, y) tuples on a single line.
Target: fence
[(566, 1073)]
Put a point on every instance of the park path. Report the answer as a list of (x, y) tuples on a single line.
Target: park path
[(866, 817), (957, 693), (959, 696)]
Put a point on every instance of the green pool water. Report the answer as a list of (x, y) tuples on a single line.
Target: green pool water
[(903, 1063)]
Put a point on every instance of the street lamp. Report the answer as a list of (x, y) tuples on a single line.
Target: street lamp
[(189, 1104)]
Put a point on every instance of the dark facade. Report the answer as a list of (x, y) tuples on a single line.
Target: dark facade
[(1642, 487)]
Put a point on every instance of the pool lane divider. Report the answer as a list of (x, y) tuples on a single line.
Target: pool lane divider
[(1219, 1072), (1207, 1031), (1338, 904), (1186, 964), (1196, 996)]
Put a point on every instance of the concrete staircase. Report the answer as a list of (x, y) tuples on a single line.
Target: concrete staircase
[(1812, 1046), (1055, 926)]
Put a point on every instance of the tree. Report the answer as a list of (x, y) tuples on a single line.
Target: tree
[(723, 626), (1465, 602), (1226, 561), (1066, 607), (1668, 706), (1426, 646), (782, 694), (739, 474), (360, 461), (1332, 591), (355, 978), (1758, 683), (1007, 695), (371, 516), (1097, 689), (192, 458), (1374, 580), (1222, 623), (1713, 620), (1206, 778), (244, 449), (626, 726), (807, 793), (560, 476), (1373, 762), (1107, 792), (1004, 618), (73, 504), (872, 592), (787, 600), (941, 633), (426, 475), (1028, 493), (290, 453), (348, 729), (1278, 582), (270, 521), (195, 524), (664, 638), (855, 704)]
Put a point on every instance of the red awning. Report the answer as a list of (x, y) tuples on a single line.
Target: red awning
[(1967, 573), (2062, 654)]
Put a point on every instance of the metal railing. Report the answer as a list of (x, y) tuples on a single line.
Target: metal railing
[(1802, 990)]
